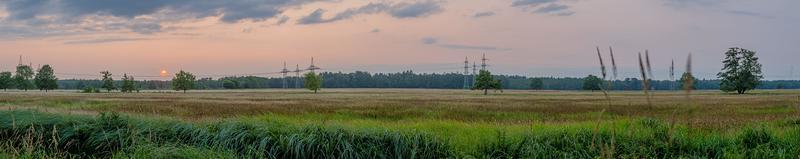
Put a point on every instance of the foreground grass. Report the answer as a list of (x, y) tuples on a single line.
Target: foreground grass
[(44, 135)]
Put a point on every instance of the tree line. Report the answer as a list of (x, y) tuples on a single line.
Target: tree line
[(741, 72)]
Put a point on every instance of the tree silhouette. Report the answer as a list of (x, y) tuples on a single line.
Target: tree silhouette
[(486, 81), (183, 81), (45, 79), (23, 77), (741, 71), (592, 83), (6, 80), (108, 81), (313, 81)]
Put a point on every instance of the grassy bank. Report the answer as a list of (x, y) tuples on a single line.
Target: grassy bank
[(36, 134)]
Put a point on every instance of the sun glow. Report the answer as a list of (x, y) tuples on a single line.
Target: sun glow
[(164, 73)]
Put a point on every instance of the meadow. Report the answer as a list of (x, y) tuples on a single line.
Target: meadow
[(400, 123)]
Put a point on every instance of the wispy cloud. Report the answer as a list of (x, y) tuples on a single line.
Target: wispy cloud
[(103, 40), (400, 10), (435, 42), (143, 17), (483, 14), (548, 7), (749, 14)]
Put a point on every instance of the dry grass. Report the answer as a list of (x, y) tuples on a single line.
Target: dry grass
[(709, 109)]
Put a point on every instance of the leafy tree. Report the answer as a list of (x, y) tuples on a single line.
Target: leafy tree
[(108, 81), (45, 78), (537, 84), (685, 79), (128, 84), (741, 71), (313, 81), (6, 80), (486, 81), (592, 83), (23, 77), (230, 84), (183, 81)]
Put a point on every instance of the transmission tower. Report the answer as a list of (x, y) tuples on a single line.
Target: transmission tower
[(313, 67), (483, 62), (297, 75), (466, 73), (284, 71), (474, 70), (20, 60)]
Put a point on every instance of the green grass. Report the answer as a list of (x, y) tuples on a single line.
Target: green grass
[(368, 123), (35, 134)]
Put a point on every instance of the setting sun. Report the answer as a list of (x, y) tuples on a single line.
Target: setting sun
[(164, 73)]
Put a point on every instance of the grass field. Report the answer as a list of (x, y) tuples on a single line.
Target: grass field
[(402, 123)]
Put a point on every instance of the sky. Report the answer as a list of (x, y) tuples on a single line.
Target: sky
[(557, 38)]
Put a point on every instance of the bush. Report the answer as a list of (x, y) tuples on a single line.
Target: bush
[(90, 90)]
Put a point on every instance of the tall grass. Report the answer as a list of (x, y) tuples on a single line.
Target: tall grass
[(108, 135), (41, 135)]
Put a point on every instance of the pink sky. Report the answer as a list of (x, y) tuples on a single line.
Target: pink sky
[(524, 37)]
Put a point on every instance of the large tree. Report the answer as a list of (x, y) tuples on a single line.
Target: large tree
[(22, 79), (592, 83), (486, 81), (6, 80), (128, 84), (740, 72), (46, 79), (183, 81), (537, 84), (313, 81), (687, 80), (108, 81)]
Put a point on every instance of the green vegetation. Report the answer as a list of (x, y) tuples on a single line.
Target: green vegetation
[(452, 123), (22, 79), (128, 84), (686, 80), (313, 81), (536, 84), (183, 81), (486, 81), (6, 80), (741, 71), (46, 79), (108, 81), (28, 133), (592, 83)]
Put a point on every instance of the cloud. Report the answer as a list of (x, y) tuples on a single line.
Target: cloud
[(103, 40), (282, 20), (414, 10), (376, 30), (73, 16), (550, 7), (483, 14), (530, 3), (429, 40), (749, 14), (691, 3), (400, 11), (473, 47), (146, 28), (435, 41)]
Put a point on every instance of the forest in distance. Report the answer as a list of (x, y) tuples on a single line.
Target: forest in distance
[(410, 79)]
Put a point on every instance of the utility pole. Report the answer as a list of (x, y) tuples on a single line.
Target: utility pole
[(297, 75), (466, 73), (313, 67), (284, 71), (474, 70), (483, 63)]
